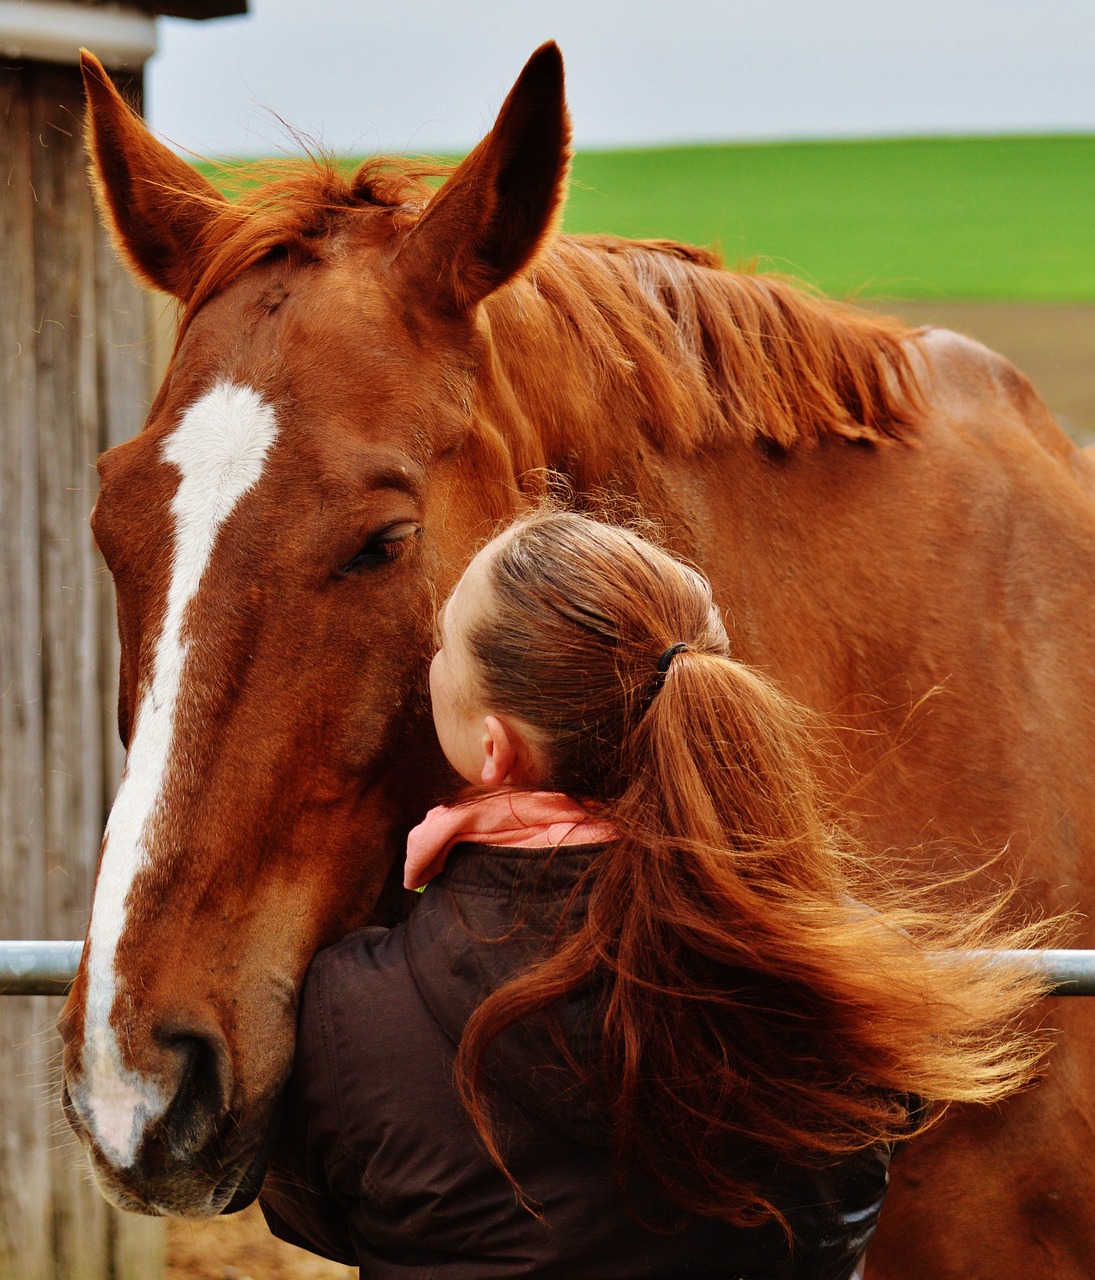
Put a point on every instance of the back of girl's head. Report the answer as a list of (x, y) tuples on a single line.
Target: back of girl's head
[(582, 612), (705, 752)]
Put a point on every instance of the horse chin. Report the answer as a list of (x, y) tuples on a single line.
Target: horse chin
[(247, 1188), (182, 1194)]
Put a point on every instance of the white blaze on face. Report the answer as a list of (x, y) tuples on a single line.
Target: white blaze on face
[(220, 448)]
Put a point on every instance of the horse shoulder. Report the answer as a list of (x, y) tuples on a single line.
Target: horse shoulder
[(984, 392)]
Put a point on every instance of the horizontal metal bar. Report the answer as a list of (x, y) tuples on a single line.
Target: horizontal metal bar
[(48, 968), (38, 968), (1071, 972)]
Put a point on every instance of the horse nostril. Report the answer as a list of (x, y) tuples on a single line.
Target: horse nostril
[(203, 1092)]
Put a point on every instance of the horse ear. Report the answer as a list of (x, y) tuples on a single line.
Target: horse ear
[(502, 202), (156, 205)]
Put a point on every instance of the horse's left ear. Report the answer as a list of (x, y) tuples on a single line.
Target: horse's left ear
[(502, 202)]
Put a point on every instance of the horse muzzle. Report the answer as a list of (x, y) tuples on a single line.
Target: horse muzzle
[(168, 1142)]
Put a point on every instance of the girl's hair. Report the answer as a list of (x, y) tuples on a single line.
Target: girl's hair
[(764, 997)]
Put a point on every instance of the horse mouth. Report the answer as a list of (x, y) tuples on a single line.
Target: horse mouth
[(214, 1182), (180, 1194)]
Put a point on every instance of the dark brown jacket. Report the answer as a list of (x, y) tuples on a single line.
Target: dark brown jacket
[(378, 1164)]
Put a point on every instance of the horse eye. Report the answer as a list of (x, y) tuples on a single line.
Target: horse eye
[(382, 547)]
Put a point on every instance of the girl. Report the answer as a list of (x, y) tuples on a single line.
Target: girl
[(653, 1015)]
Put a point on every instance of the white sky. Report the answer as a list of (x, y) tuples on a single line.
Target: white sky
[(428, 75)]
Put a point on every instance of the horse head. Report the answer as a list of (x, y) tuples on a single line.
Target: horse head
[(316, 468)]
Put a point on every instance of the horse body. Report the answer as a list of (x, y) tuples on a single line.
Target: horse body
[(360, 392)]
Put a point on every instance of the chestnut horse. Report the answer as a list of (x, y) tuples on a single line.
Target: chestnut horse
[(369, 375)]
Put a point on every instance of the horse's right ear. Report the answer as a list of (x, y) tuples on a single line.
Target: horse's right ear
[(487, 222), (156, 205)]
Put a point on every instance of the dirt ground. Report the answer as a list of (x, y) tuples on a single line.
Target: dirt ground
[(1055, 346), (241, 1248)]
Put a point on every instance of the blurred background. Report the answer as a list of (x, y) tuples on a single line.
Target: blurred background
[(429, 74)]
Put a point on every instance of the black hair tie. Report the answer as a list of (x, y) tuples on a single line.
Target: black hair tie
[(669, 655), (663, 665)]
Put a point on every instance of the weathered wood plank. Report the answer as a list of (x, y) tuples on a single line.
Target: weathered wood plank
[(68, 417), (25, 1207), (70, 384)]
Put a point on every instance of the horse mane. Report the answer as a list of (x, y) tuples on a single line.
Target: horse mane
[(680, 347), (686, 349)]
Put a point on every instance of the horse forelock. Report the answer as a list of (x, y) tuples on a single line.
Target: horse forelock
[(294, 206), (219, 447)]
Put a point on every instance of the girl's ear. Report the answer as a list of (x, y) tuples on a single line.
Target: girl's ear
[(507, 756)]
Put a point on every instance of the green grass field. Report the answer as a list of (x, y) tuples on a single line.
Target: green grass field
[(963, 218), (979, 218)]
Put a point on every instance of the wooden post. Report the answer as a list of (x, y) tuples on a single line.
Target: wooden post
[(74, 379)]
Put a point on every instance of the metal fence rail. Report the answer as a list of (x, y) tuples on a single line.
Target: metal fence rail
[(47, 968), (1071, 972), (38, 968)]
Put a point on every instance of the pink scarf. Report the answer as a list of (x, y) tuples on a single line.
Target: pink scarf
[(514, 819)]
